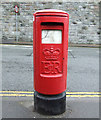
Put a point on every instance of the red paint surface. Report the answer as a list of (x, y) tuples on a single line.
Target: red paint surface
[(50, 60)]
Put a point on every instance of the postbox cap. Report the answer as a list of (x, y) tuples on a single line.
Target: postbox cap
[(51, 12)]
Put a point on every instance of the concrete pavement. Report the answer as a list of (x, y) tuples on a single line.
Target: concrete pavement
[(15, 107)]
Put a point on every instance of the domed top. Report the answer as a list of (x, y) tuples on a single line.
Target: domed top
[(49, 12)]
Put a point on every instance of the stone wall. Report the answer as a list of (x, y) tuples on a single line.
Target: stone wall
[(83, 22)]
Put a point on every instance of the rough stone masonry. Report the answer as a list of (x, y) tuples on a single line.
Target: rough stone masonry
[(83, 22)]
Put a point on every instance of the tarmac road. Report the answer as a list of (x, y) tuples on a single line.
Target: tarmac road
[(17, 68), (17, 75)]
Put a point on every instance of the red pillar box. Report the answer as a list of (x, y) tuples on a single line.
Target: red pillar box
[(50, 48)]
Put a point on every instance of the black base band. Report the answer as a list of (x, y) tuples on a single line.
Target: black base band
[(50, 104)]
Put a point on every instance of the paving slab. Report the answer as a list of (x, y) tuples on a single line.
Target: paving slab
[(23, 107)]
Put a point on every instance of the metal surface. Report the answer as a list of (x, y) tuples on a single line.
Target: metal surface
[(16, 28), (16, 9), (50, 60), (51, 12), (50, 104)]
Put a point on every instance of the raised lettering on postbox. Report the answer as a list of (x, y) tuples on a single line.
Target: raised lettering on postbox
[(51, 65)]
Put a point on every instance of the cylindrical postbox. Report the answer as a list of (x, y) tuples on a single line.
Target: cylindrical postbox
[(50, 48)]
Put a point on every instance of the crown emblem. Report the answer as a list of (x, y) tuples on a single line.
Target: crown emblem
[(51, 54)]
